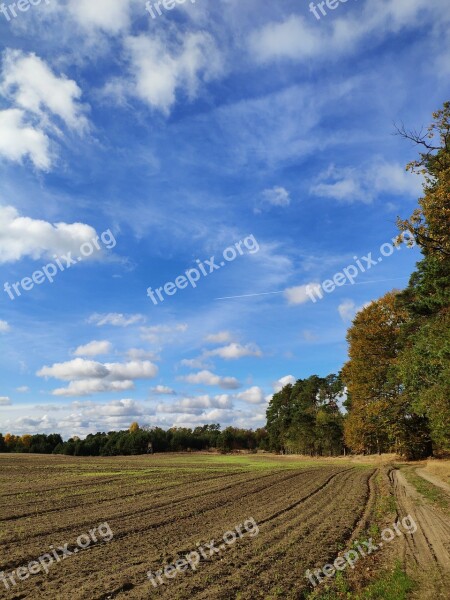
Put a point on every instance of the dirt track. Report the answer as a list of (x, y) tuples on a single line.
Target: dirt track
[(426, 554), (434, 480)]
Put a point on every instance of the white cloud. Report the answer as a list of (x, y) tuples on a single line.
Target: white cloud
[(299, 294), (219, 338), (234, 351), (366, 184), (111, 16), (276, 196), (19, 140), (280, 383), (293, 39), (31, 85), (116, 319), (78, 368), (5, 401), (159, 70), (85, 387), (88, 377), (4, 327), (253, 395), (348, 310), (23, 389), (94, 348), (164, 390), (115, 408), (207, 378), (134, 369), (196, 405), (25, 237)]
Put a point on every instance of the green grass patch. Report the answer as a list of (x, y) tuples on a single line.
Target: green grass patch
[(395, 585), (390, 585)]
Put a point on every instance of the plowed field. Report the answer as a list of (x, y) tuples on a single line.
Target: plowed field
[(159, 508)]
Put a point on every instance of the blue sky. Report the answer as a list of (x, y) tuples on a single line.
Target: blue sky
[(217, 122)]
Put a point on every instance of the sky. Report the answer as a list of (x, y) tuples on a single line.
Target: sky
[(248, 143)]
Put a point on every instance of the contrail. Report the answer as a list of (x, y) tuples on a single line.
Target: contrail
[(282, 291)]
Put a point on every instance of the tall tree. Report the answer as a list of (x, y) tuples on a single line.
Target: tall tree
[(375, 419)]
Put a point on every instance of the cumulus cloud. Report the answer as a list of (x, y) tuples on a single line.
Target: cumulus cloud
[(348, 310), (87, 377), (134, 369), (207, 378), (116, 319), (4, 327), (85, 387), (234, 351), (5, 401), (78, 368), (94, 348), (39, 103), (19, 140), (365, 184), (253, 395), (280, 383), (160, 69), (299, 293), (111, 16), (25, 237), (23, 389), (30, 84)]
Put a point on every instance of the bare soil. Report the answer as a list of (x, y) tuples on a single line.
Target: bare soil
[(426, 554)]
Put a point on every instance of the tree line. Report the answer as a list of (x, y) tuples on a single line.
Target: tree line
[(137, 440)]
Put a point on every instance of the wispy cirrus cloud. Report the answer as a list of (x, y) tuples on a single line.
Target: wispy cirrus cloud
[(356, 184), (116, 319)]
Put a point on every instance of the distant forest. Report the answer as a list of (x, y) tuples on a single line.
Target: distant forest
[(396, 383)]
